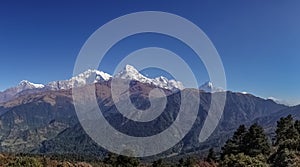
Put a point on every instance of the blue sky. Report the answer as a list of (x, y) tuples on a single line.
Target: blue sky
[(258, 41)]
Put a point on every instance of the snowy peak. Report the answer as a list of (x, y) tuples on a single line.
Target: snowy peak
[(209, 87), (131, 73), (167, 84), (100, 75), (24, 84), (130, 69), (91, 76), (87, 77)]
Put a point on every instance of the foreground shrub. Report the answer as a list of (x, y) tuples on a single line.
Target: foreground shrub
[(25, 161), (242, 160)]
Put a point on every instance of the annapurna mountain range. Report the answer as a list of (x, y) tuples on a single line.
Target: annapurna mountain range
[(36, 118), (94, 76)]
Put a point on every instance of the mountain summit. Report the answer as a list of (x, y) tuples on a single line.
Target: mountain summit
[(87, 77), (24, 84), (209, 87), (131, 73)]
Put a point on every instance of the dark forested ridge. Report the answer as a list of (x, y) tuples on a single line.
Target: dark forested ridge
[(247, 147)]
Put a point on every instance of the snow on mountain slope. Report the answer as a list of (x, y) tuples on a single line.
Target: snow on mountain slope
[(22, 86), (87, 77), (209, 87), (130, 73), (93, 76)]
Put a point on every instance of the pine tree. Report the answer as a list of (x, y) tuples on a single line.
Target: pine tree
[(287, 142), (285, 157), (286, 130), (235, 145), (256, 142), (297, 126)]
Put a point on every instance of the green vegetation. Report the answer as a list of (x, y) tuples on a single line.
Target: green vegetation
[(242, 160), (9, 160), (25, 161), (287, 143), (251, 142), (251, 147), (120, 161), (248, 147)]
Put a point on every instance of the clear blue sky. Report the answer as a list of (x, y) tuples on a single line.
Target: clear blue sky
[(258, 41)]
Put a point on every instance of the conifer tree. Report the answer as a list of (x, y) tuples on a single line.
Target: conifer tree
[(256, 142), (286, 130), (235, 145), (297, 126)]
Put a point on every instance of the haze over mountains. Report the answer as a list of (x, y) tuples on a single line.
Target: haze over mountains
[(41, 118)]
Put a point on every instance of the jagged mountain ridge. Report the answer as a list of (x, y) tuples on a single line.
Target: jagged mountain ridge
[(130, 73), (94, 76), (88, 77)]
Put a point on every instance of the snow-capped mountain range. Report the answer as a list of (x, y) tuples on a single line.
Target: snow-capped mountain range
[(91, 76), (130, 73), (94, 76), (87, 77)]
